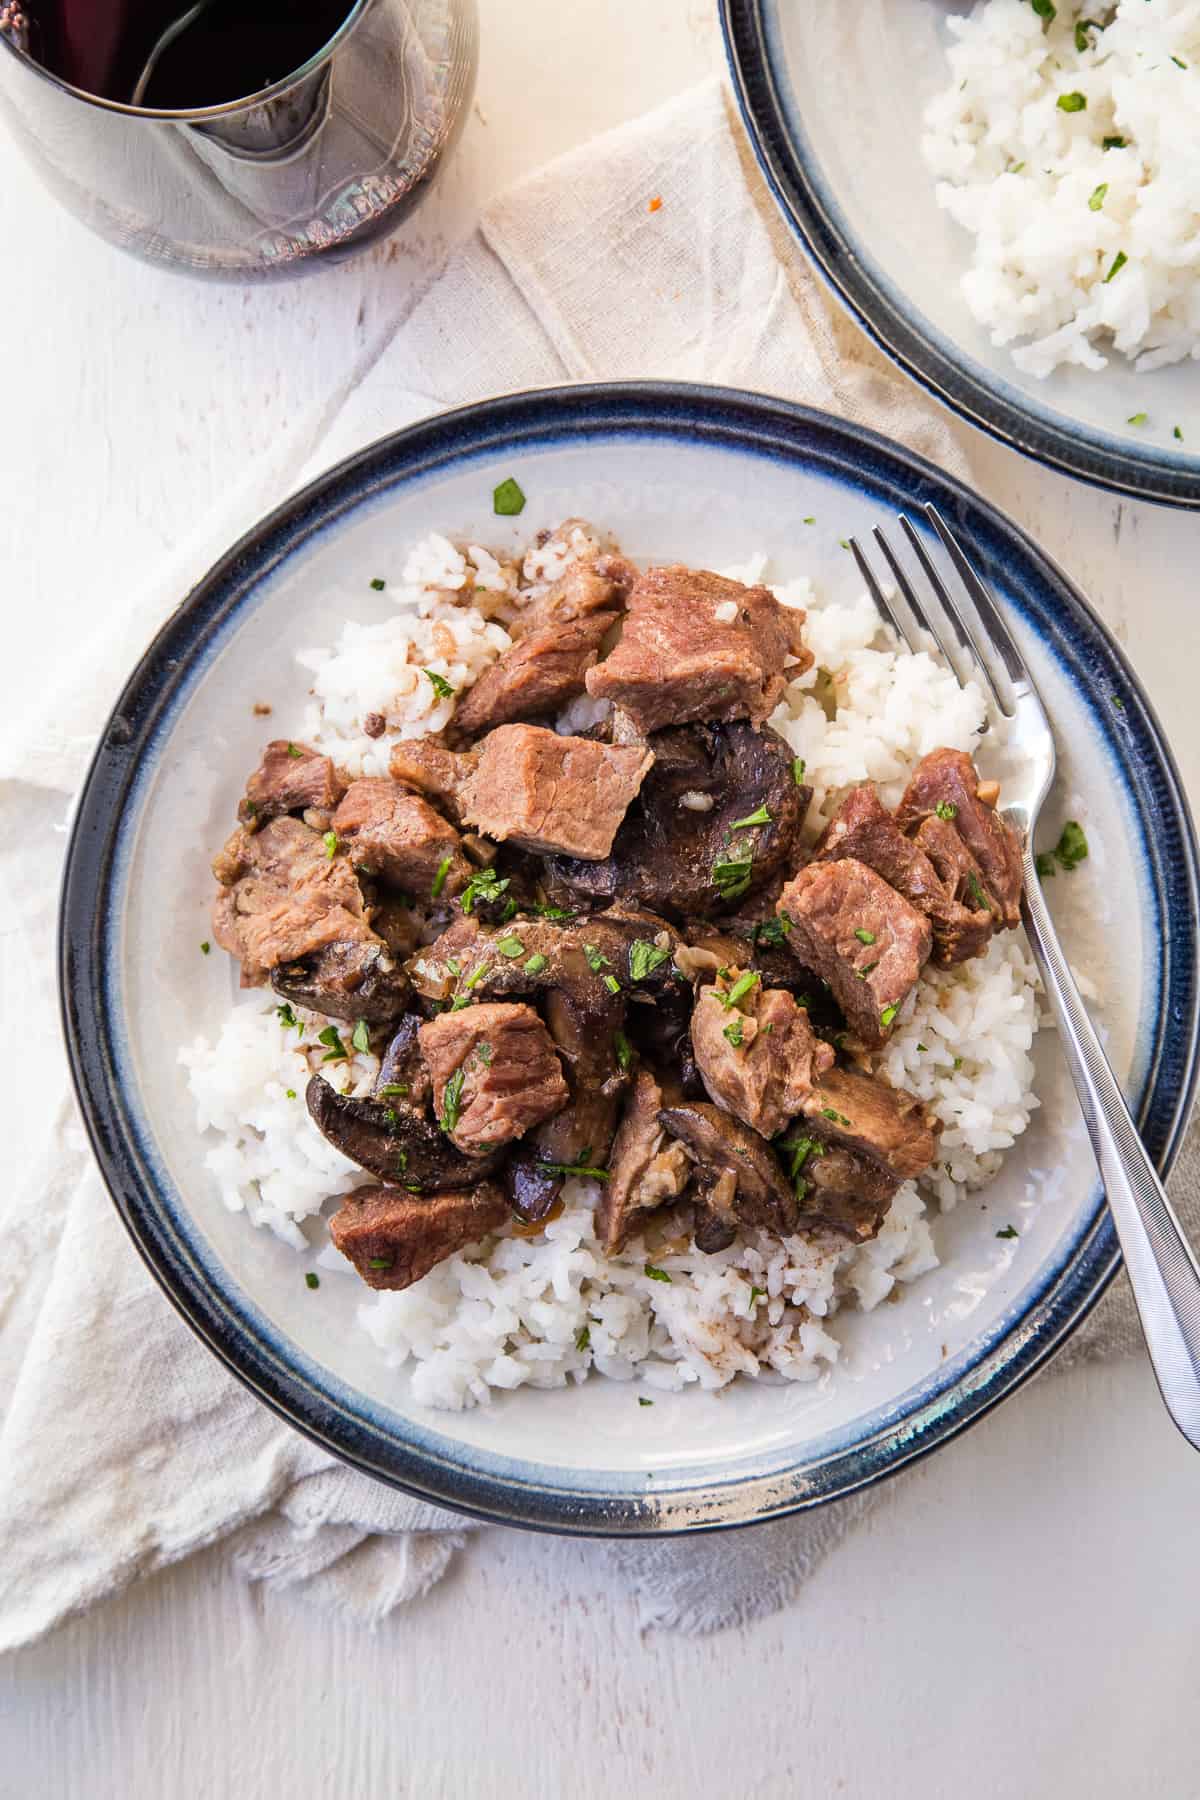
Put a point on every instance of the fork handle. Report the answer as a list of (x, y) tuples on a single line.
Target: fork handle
[(1163, 1271)]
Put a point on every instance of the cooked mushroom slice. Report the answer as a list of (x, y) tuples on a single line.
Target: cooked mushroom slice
[(394, 1238), (346, 981), (861, 1113), (718, 816), (722, 1145), (839, 1189), (403, 1079), (393, 1142), (646, 1169)]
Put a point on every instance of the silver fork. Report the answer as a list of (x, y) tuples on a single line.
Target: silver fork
[(975, 642)]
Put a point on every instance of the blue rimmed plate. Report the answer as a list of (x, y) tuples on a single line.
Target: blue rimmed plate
[(833, 98), (677, 473)]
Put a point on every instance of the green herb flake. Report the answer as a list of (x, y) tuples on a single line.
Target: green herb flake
[(656, 1274), (206, 948), (612, 984), (360, 1037), (378, 583), (288, 1019), (332, 846), (773, 932), (1010, 1231), (740, 988), (380, 1262), (887, 1015), (535, 964), (867, 969), (958, 1062), (829, 1112), (394, 1087), (295, 752), (596, 960), (644, 958), (291, 1093), (1045, 9), (1072, 847), (982, 903), (452, 1102), (642, 1401), (439, 880), (476, 976), (336, 1051), (1044, 862), (485, 884), (731, 874), (311, 1280), (1097, 197), (512, 947), (734, 1031), (759, 817), (1073, 102), (583, 1169), (508, 500), (811, 519), (1137, 418), (624, 1050), (1179, 63), (923, 1047), (440, 685), (1178, 433), (798, 767), (756, 1294), (864, 936), (583, 1339), (1113, 143), (1118, 263), (946, 809)]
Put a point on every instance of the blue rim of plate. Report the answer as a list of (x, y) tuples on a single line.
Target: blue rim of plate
[(365, 1433), (793, 172)]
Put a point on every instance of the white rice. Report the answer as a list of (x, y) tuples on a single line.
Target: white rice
[(548, 1309), (1049, 208)]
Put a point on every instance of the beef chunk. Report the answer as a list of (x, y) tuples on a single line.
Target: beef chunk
[(646, 1170), (550, 793), (677, 850), (696, 646), (537, 676), (757, 1055), (394, 1238), (399, 838), (739, 1177), (393, 1142), (861, 936), (949, 780), (494, 1072), (285, 898), (291, 778), (861, 1113), (591, 585), (427, 765), (962, 928), (864, 829)]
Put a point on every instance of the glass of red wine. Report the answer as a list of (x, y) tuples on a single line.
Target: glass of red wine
[(244, 139)]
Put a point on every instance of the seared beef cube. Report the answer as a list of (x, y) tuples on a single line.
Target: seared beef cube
[(393, 1238), (291, 897), (553, 794), (393, 1141), (646, 1169), (495, 1074), (757, 1053), (739, 1178), (428, 766), (346, 981), (589, 586), (863, 828), (291, 778), (399, 838), (684, 846), (537, 676), (861, 936), (696, 646), (945, 784), (861, 1113), (840, 1190)]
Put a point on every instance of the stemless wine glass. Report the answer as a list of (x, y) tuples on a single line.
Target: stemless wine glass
[(304, 172)]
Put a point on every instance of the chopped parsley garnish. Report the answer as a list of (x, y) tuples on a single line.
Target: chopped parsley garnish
[(811, 519), (642, 1401), (476, 976), (392, 1120), (511, 947), (441, 686), (1117, 702), (378, 583), (624, 1050), (336, 1051), (295, 752), (557, 913), (731, 873), (656, 1274), (1044, 861), (1179, 63), (734, 1031), (205, 948), (761, 816), (380, 1262), (1082, 27), (536, 963), (1072, 846), (1178, 433), (330, 841), (1045, 9), (867, 969), (1137, 418), (508, 500), (829, 1112), (798, 767), (1072, 102), (583, 1169), (1118, 263), (439, 880), (452, 1102), (644, 958), (291, 1093), (958, 1062), (887, 1015), (739, 990), (864, 936), (395, 1087), (1112, 143), (756, 1294), (511, 909), (287, 1018), (583, 1338), (485, 884), (946, 809), (1010, 1231), (982, 903), (612, 984), (1097, 196), (922, 1046), (311, 1280), (771, 931), (360, 1037), (596, 960)]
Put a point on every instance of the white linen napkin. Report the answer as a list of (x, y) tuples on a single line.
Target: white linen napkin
[(124, 1446)]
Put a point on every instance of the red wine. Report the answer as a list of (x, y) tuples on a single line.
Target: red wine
[(233, 48)]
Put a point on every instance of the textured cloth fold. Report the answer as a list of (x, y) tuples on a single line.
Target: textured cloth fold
[(570, 277)]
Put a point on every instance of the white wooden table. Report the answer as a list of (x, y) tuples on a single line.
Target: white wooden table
[(1018, 1618)]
